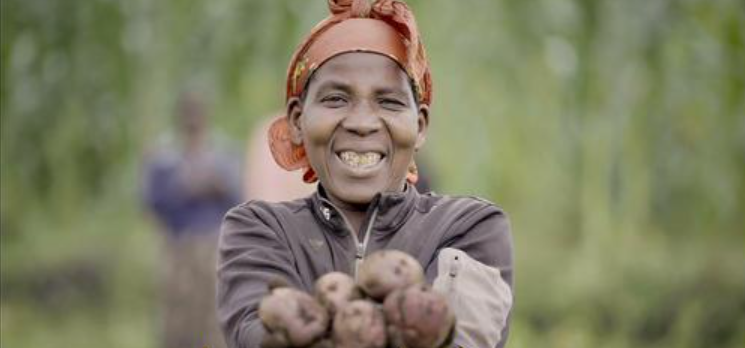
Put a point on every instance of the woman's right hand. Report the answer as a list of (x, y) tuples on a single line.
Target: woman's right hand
[(292, 319)]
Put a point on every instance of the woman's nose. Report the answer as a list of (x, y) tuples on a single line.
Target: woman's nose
[(362, 120)]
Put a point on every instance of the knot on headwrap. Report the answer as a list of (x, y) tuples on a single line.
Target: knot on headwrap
[(356, 8), (361, 9), (386, 27)]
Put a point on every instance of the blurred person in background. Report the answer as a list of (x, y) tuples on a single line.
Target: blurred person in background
[(427, 178), (190, 180)]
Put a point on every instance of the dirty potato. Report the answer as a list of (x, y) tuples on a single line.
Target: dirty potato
[(292, 318), (387, 270), (359, 324), (334, 290), (417, 317)]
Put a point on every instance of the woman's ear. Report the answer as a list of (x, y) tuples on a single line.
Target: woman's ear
[(294, 114), (423, 124)]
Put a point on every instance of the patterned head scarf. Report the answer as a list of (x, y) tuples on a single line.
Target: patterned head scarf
[(385, 27)]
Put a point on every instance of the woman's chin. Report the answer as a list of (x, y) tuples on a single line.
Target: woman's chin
[(356, 198), (353, 194)]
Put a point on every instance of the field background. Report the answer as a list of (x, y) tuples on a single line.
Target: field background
[(612, 132)]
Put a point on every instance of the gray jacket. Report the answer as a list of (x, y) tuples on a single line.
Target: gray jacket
[(303, 239)]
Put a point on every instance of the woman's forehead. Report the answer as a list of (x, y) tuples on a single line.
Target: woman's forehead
[(360, 67)]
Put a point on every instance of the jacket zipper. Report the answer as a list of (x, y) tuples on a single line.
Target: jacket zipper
[(360, 247)]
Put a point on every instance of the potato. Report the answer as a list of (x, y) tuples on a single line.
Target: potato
[(386, 270), (359, 324), (334, 290), (292, 318), (417, 317)]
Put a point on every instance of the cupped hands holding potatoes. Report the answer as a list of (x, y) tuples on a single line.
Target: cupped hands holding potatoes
[(389, 306)]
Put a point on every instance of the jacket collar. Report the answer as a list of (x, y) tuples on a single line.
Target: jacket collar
[(394, 208)]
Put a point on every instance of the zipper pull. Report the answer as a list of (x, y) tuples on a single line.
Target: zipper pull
[(360, 251), (358, 259)]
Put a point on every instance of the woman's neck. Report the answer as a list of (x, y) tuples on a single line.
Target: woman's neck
[(354, 214), (355, 219)]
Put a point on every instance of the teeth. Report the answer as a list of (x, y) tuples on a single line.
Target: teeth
[(360, 160)]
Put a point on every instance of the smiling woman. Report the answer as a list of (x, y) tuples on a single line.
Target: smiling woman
[(360, 125), (358, 96)]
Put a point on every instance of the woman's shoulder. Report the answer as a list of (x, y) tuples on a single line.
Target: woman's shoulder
[(465, 219), (458, 203), (259, 217), (257, 207)]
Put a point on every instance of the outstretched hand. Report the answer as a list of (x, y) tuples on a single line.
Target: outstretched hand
[(419, 318), (292, 318)]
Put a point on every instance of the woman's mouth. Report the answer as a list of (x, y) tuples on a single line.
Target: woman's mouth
[(360, 160)]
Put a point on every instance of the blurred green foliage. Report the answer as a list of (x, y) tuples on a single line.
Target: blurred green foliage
[(613, 132)]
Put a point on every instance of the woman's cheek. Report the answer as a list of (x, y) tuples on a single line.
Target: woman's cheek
[(318, 128), (404, 131)]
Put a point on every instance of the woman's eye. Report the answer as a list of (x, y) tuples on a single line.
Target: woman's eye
[(334, 101), (392, 104)]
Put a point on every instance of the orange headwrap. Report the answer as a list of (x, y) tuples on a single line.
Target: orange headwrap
[(386, 27)]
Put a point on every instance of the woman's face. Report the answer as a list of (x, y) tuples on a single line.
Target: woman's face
[(360, 126)]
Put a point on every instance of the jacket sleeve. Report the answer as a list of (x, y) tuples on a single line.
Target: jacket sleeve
[(483, 234), (252, 251)]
